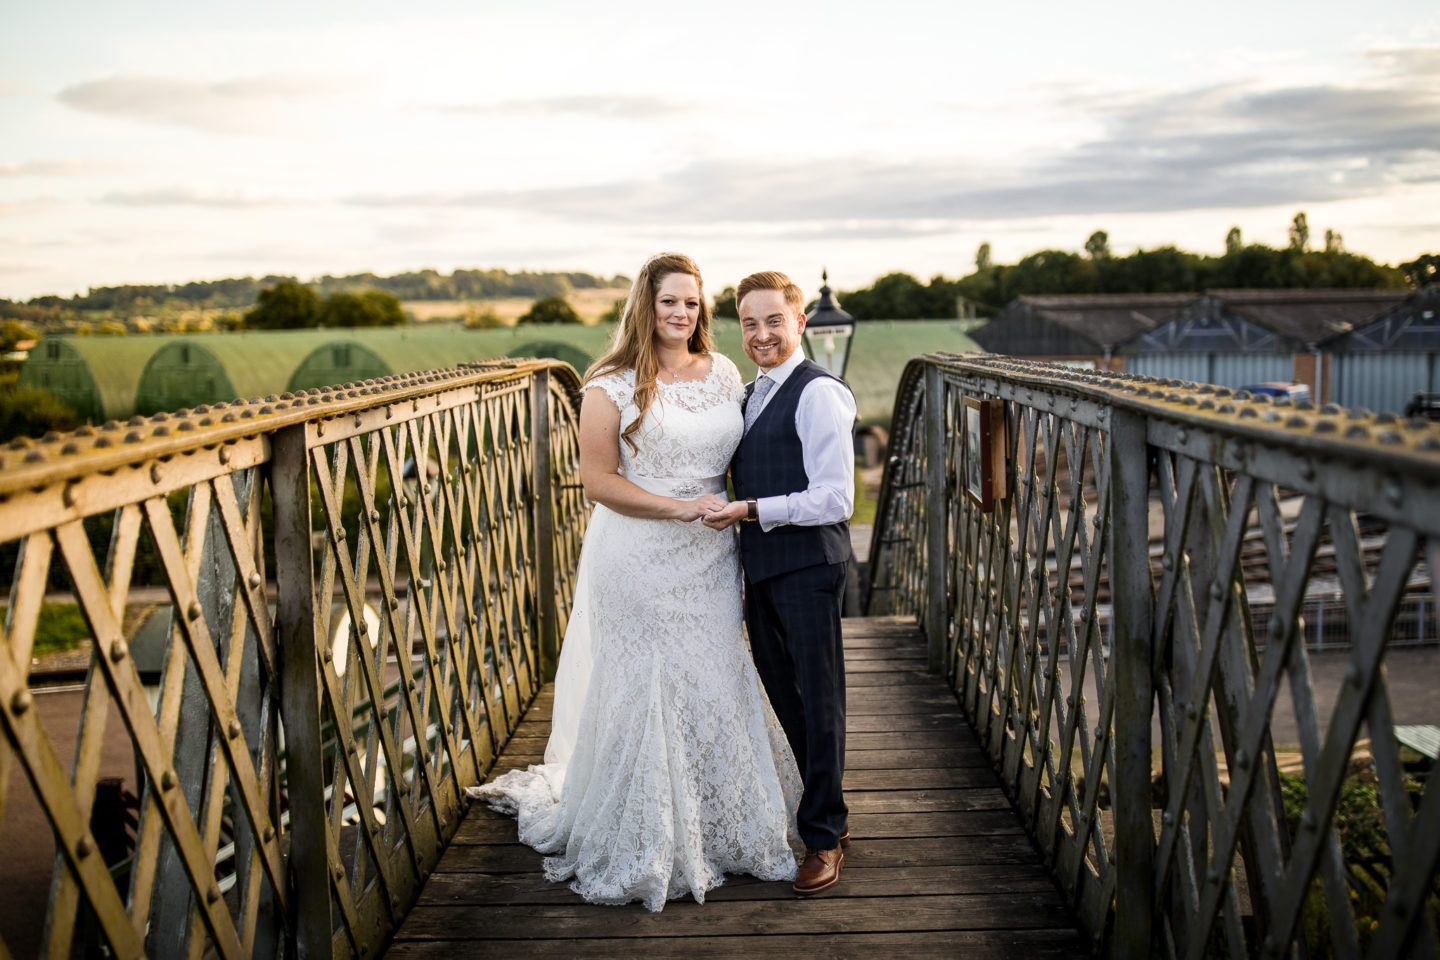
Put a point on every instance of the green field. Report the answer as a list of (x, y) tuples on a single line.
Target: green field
[(116, 377)]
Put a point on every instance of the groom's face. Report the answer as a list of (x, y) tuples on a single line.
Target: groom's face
[(769, 328)]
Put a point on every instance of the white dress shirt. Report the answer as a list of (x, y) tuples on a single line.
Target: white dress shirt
[(825, 421)]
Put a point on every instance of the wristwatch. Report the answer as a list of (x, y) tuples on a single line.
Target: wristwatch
[(752, 510)]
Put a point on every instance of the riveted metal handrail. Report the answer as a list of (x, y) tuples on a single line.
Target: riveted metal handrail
[(367, 584), (1132, 629)]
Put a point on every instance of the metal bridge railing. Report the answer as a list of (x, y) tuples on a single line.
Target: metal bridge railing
[(367, 585), (1127, 619)]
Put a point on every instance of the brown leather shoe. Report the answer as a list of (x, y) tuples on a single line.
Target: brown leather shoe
[(819, 871), (845, 834)]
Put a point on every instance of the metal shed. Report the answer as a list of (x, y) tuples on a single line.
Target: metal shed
[(96, 376), (1209, 341), (1235, 338), (210, 367), (1383, 364), (339, 361), (1076, 326)]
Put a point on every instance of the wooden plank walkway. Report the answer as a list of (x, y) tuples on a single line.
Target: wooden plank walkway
[(939, 866)]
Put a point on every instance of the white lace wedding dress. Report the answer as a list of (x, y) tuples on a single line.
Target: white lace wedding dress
[(666, 768)]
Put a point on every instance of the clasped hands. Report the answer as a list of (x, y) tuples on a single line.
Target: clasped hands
[(713, 510)]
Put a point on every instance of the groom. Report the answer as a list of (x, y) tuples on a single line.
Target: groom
[(794, 477)]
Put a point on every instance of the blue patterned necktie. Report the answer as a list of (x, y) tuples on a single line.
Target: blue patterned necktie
[(763, 385)]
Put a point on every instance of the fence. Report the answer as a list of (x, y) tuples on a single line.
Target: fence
[(1119, 606), (301, 750)]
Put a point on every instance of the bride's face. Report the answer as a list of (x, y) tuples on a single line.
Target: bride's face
[(677, 309)]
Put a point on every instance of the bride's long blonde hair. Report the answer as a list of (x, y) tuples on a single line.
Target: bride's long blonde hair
[(634, 344)]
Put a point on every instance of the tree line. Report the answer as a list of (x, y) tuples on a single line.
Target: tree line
[(1168, 269), (239, 293)]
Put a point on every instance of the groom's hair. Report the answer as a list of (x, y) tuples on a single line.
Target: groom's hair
[(772, 280)]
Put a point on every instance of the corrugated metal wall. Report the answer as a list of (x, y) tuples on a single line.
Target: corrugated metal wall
[(1383, 382), (1222, 369)]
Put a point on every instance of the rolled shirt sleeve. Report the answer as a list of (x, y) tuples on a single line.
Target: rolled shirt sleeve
[(825, 421)]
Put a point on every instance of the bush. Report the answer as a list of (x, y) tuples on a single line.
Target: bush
[(616, 310), (550, 310), (481, 318), (28, 412), (288, 305), (373, 308)]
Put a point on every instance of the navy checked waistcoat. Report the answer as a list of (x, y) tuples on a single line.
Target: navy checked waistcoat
[(769, 463)]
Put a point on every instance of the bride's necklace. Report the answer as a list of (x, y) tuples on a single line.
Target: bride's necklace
[(674, 375)]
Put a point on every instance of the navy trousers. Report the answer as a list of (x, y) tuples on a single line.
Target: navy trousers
[(794, 624)]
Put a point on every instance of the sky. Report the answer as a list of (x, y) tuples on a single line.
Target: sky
[(161, 142)]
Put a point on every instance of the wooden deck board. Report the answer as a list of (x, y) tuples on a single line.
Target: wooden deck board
[(940, 865)]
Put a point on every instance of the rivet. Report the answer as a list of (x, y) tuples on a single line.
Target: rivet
[(1393, 491), (167, 780), (394, 603), (1166, 562), (118, 651), (1216, 591), (374, 516), (213, 893), (1307, 470), (1167, 818), (339, 533), (1192, 711), (67, 496), (21, 701), (1182, 434), (268, 833), (1242, 760), (224, 454), (1352, 675), (234, 729), (1213, 874), (326, 655), (83, 847), (255, 580), (339, 873), (1308, 819), (1280, 628), (194, 610)]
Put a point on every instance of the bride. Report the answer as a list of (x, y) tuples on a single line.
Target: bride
[(665, 768)]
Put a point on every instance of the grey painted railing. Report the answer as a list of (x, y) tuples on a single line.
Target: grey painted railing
[(1125, 624), (367, 583)]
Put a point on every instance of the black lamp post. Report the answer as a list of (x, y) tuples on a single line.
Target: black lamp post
[(829, 331)]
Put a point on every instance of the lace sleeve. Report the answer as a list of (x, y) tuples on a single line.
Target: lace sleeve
[(728, 374), (618, 385)]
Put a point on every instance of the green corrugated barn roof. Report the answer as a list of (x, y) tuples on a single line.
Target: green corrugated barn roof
[(96, 376)]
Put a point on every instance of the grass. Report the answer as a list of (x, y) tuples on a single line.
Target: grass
[(864, 503), (60, 626)]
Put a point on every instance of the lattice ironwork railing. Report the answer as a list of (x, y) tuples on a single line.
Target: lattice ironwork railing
[(1126, 628), (366, 585)]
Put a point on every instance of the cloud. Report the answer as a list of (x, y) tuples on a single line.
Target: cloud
[(54, 168), (191, 197), (254, 105), (617, 107), (29, 205), (1416, 62), (1208, 148)]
